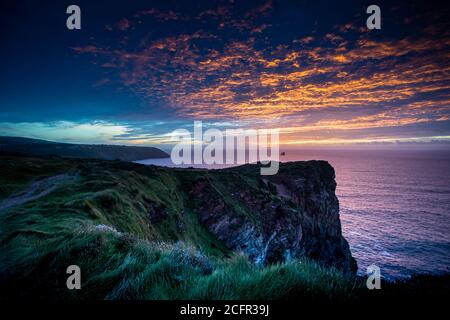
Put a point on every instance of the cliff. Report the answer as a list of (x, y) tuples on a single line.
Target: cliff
[(275, 218), (113, 215)]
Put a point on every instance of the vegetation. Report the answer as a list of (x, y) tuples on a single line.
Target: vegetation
[(36, 147), (107, 221)]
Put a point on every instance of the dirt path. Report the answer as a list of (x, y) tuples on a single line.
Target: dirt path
[(36, 190)]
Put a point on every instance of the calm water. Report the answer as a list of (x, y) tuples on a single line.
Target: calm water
[(394, 206)]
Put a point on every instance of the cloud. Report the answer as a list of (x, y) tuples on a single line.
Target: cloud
[(123, 24), (212, 75), (65, 131), (161, 15)]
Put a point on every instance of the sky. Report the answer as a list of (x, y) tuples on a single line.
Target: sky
[(137, 70)]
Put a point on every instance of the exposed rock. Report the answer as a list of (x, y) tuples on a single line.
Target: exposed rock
[(291, 214)]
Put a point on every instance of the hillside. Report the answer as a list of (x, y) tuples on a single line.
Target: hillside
[(35, 147), (147, 232)]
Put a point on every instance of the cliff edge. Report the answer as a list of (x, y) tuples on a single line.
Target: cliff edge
[(276, 218), (147, 232)]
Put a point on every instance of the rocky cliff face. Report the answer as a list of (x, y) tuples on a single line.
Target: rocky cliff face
[(275, 218), (271, 219)]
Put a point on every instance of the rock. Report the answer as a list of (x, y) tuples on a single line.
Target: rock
[(299, 218)]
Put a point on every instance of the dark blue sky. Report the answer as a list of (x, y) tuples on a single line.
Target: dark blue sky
[(139, 69)]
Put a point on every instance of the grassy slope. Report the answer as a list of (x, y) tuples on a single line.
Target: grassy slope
[(100, 222)]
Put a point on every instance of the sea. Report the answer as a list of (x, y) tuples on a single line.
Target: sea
[(394, 206)]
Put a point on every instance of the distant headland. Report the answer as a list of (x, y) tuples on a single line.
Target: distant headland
[(36, 147)]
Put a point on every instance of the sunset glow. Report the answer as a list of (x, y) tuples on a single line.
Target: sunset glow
[(252, 64)]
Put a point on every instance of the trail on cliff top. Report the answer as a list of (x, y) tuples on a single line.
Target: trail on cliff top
[(36, 190)]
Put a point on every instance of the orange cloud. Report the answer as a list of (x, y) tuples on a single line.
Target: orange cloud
[(199, 75)]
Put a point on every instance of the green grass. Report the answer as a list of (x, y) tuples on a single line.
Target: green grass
[(14, 176), (100, 222), (117, 266)]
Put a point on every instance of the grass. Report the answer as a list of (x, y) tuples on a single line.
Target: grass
[(134, 234), (14, 176), (117, 266)]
